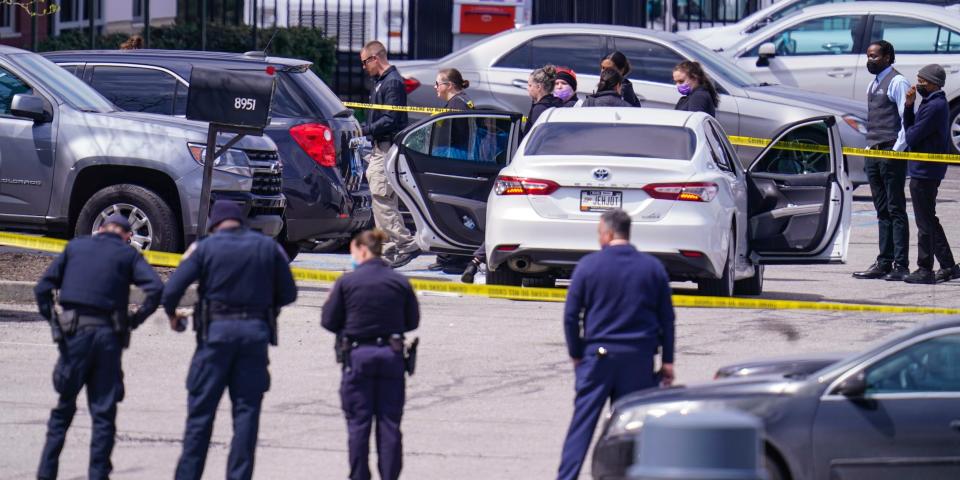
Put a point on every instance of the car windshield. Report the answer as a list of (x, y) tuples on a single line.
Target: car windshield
[(717, 65), (607, 140), (64, 84)]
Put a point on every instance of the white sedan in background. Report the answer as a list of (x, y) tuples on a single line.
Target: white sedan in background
[(823, 48), (536, 203)]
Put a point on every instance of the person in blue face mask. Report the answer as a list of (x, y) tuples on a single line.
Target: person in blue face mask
[(698, 93)]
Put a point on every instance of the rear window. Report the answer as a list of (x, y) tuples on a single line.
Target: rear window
[(318, 92), (611, 140)]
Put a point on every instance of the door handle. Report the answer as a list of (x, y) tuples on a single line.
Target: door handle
[(955, 425), (520, 83), (839, 73)]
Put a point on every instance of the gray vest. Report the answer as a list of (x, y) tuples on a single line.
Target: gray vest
[(883, 117)]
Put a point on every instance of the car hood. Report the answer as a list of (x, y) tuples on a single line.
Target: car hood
[(796, 97), (404, 64), (725, 389), (189, 130), (788, 366)]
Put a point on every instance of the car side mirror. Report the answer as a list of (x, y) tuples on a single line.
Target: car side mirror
[(766, 52), (853, 387), (29, 106)]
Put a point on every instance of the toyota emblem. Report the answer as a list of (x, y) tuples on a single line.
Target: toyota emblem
[(601, 174)]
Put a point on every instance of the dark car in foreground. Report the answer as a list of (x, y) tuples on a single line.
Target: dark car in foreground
[(317, 137), (892, 412)]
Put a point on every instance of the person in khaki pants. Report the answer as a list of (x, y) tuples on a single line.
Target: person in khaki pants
[(381, 126)]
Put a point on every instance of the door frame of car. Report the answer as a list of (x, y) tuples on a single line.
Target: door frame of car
[(834, 242)]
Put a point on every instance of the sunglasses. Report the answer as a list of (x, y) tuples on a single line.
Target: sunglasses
[(437, 84), (363, 62)]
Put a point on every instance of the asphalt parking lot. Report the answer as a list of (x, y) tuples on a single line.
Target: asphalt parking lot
[(493, 393)]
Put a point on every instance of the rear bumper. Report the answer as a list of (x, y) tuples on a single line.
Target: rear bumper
[(559, 244)]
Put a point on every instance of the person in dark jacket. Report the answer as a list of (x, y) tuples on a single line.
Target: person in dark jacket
[(370, 309), (381, 126), (618, 61), (565, 87), (451, 86), (540, 87), (609, 91), (93, 276), (244, 279), (619, 311), (928, 131), (698, 93)]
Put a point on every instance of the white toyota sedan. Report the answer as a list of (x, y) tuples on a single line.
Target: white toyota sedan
[(535, 204)]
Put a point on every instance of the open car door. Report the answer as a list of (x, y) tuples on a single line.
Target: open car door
[(800, 197), (444, 167)]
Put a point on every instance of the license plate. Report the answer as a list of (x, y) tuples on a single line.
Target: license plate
[(600, 200)]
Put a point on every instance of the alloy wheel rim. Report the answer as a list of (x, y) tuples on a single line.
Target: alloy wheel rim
[(955, 131), (140, 224)]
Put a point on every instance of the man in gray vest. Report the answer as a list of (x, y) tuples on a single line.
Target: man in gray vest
[(886, 97)]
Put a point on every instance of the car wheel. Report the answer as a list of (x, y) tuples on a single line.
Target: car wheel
[(752, 285), (504, 276), (540, 282), (155, 225), (723, 286)]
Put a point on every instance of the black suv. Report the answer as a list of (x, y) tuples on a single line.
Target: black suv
[(318, 139)]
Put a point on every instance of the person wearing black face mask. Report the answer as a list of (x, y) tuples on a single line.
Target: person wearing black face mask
[(928, 131), (886, 97)]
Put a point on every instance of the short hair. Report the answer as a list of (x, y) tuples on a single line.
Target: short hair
[(618, 222), (886, 48), (372, 239), (376, 49)]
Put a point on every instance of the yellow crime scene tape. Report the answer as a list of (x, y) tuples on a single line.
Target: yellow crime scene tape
[(734, 139), (163, 259)]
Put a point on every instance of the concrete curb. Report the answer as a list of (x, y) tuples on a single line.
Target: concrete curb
[(22, 293)]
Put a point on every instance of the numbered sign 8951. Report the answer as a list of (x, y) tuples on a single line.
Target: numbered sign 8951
[(227, 97)]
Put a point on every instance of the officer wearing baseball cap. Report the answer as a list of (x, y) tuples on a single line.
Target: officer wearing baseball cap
[(93, 276), (244, 280)]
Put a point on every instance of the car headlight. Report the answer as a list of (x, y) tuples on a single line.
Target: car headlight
[(233, 160), (631, 420), (856, 123)]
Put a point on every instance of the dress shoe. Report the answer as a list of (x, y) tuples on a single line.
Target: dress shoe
[(470, 273), (403, 259), (922, 276), (947, 274), (898, 274), (877, 270)]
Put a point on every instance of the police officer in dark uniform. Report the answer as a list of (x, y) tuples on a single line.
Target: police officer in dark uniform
[(244, 280), (370, 309), (620, 300), (93, 276)]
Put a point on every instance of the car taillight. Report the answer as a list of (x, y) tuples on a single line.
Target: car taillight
[(524, 186), (317, 141), (684, 192), (410, 84)]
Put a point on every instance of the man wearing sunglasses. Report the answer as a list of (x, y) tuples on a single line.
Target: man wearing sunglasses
[(381, 126)]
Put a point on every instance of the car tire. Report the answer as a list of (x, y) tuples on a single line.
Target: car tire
[(505, 277), (751, 286), (540, 282), (158, 229), (723, 286)]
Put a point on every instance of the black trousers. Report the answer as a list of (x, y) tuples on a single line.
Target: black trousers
[(887, 180), (931, 241)]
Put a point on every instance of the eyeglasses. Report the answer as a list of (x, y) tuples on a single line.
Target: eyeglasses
[(363, 61), (437, 84)]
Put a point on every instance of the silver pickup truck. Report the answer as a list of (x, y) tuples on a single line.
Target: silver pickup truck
[(69, 159)]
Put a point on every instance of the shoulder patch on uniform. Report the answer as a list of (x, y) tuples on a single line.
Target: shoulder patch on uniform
[(190, 250)]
